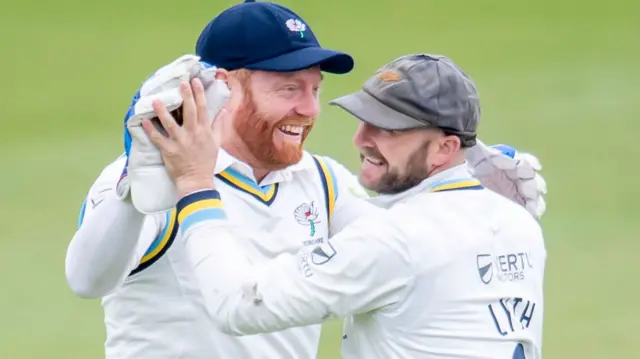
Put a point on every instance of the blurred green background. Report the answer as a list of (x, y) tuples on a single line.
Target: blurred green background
[(557, 78)]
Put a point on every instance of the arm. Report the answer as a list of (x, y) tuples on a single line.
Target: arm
[(111, 240), (364, 268)]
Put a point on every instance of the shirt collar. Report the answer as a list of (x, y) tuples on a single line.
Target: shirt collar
[(460, 172), (226, 160)]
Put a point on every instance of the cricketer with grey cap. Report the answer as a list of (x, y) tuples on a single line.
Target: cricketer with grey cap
[(419, 90), (416, 259)]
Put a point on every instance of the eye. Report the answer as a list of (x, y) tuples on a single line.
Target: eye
[(290, 88), (316, 90), (391, 133)]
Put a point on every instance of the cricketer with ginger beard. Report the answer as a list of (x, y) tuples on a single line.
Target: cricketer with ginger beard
[(261, 114)]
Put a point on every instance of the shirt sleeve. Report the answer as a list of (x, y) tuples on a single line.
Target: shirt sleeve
[(363, 268), (111, 240), (350, 197)]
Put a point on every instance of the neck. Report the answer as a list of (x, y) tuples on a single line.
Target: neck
[(240, 151), (455, 161)]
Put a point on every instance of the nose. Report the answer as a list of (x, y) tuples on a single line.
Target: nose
[(309, 105), (362, 137)]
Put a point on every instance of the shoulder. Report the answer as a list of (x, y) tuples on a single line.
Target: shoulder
[(336, 167), (510, 211), (377, 229), (345, 179), (110, 174), (106, 181), (313, 162), (465, 214)]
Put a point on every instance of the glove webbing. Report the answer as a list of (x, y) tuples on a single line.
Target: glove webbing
[(177, 115)]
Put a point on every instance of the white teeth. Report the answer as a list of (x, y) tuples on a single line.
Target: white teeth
[(374, 161), (295, 129)]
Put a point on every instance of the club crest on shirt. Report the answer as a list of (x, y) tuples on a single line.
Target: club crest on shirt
[(306, 214)]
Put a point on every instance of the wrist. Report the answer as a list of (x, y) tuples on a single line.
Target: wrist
[(199, 207), (186, 186)]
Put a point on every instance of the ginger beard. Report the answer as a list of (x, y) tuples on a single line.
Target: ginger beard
[(274, 144)]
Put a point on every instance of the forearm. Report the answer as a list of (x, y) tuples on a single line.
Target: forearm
[(101, 253), (364, 268), (244, 299), (241, 297)]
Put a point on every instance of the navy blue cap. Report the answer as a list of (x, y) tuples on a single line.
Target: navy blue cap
[(266, 36)]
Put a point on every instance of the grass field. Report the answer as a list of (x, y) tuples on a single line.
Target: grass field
[(557, 78)]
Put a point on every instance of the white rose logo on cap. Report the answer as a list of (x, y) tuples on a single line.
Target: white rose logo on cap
[(296, 26)]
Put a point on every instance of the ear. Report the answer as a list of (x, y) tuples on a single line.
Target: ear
[(450, 145), (236, 90), (233, 79), (222, 74), (443, 149)]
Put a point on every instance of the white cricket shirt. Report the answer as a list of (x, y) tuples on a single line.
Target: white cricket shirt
[(153, 307), (449, 270)]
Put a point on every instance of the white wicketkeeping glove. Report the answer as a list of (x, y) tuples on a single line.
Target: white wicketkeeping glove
[(513, 174), (145, 178)]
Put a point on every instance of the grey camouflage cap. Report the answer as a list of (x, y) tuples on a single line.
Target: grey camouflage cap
[(416, 91)]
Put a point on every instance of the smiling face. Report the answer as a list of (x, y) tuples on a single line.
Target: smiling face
[(395, 161), (274, 114)]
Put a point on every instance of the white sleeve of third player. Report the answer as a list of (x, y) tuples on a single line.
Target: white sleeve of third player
[(363, 268), (111, 239)]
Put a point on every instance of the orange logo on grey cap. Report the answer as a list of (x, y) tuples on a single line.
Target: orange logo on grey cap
[(388, 76)]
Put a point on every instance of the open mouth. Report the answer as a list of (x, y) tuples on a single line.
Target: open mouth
[(292, 130), (373, 160)]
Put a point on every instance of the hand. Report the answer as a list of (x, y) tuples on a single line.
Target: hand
[(511, 173), (189, 151)]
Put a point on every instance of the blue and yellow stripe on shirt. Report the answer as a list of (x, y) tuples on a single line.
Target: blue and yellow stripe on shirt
[(198, 207), (329, 184), (265, 194), (457, 185), (161, 244)]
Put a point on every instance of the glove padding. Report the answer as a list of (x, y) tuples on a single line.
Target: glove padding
[(512, 174), (145, 177)]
